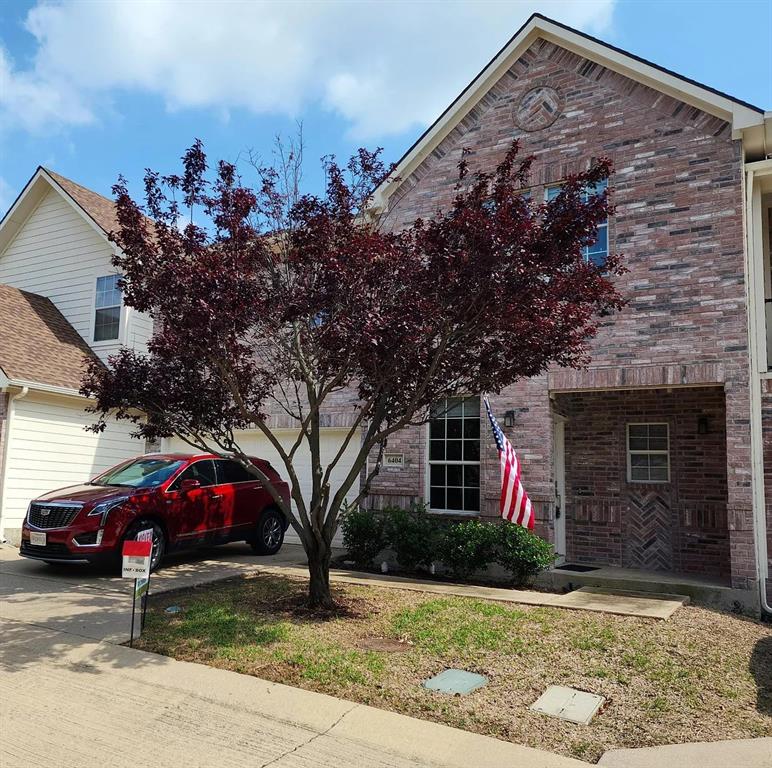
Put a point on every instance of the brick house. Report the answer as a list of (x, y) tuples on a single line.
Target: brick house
[(643, 460), (658, 456)]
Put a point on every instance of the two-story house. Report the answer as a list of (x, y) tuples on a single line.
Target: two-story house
[(59, 304), (653, 458), (650, 458)]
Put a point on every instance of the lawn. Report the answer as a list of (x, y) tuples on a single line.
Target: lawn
[(695, 677)]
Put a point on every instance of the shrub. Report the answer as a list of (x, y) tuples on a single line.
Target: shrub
[(468, 547), (522, 553), (412, 534), (363, 536)]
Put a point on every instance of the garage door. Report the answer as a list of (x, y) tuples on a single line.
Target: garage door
[(256, 444), (48, 448)]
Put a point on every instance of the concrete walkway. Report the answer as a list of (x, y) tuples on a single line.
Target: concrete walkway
[(620, 602), (745, 753), (69, 702)]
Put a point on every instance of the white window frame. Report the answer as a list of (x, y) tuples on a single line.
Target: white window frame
[(460, 462), (639, 452), (122, 318)]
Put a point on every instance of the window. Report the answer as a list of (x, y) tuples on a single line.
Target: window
[(232, 472), (598, 251), (203, 471), (454, 455), (107, 313), (139, 473), (648, 453)]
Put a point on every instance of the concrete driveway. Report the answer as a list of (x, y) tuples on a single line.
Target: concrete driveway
[(95, 603), (71, 697)]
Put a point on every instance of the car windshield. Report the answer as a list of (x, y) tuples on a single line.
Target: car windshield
[(146, 472)]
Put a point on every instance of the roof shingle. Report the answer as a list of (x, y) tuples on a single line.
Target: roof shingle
[(37, 344), (100, 208)]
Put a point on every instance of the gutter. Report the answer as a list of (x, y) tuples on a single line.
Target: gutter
[(757, 438), (6, 445)]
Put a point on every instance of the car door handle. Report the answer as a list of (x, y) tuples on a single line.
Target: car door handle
[(215, 495)]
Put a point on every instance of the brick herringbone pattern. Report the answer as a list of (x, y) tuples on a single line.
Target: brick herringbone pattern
[(649, 544)]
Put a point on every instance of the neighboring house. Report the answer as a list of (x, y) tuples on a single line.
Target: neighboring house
[(644, 460), (59, 304)]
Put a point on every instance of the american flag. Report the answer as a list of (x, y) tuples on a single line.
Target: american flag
[(514, 504)]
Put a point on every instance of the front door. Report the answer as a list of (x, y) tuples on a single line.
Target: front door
[(559, 461)]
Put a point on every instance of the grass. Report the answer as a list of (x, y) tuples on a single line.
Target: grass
[(700, 676)]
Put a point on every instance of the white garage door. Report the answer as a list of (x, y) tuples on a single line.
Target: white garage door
[(48, 448), (256, 444)]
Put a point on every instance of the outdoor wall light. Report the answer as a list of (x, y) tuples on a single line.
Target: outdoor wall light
[(509, 419)]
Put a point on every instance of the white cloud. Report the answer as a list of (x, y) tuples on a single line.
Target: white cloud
[(383, 66)]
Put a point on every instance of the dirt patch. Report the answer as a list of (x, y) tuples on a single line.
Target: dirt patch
[(701, 676), (383, 644)]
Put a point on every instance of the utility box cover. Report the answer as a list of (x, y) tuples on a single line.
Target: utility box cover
[(456, 681), (568, 704)]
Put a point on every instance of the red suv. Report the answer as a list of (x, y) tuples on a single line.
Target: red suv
[(188, 500)]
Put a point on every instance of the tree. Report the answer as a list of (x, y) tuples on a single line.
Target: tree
[(269, 300)]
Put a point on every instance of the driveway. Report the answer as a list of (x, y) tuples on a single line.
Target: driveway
[(95, 603), (71, 697)]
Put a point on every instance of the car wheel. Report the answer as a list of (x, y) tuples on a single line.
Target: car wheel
[(159, 539), (270, 533)]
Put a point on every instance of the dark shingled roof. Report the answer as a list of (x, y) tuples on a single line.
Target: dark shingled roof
[(37, 344)]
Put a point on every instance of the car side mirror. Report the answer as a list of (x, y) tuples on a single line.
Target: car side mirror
[(189, 484)]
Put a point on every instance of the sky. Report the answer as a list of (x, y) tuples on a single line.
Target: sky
[(97, 89)]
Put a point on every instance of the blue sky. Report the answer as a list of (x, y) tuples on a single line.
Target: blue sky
[(97, 89)]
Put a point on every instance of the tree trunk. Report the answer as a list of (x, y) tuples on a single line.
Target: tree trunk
[(319, 595)]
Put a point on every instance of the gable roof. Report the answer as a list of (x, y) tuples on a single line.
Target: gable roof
[(100, 208), (740, 114), (96, 210), (37, 344)]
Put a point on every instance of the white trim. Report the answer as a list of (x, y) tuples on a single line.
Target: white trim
[(11, 407), (638, 452), (738, 115), (122, 321), (756, 336), (28, 200), (428, 469)]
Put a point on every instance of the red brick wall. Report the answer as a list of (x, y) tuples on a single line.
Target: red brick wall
[(678, 222), (601, 521)]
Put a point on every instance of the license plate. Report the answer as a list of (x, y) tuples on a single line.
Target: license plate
[(37, 539)]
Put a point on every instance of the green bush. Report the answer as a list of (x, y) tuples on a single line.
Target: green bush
[(413, 535), (363, 536), (522, 553), (468, 547)]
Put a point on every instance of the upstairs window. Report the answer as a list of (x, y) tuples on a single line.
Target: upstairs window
[(597, 252), (107, 312)]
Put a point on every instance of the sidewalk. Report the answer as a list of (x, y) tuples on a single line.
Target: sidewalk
[(66, 701)]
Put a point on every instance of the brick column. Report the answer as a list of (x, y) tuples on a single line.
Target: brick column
[(738, 471)]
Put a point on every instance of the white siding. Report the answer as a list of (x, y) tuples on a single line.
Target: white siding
[(59, 255), (48, 448), (256, 444)]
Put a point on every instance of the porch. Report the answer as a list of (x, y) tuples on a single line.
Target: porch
[(711, 591), (642, 489)]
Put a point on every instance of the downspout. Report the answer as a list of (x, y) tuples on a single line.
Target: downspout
[(6, 447), (757, 437)]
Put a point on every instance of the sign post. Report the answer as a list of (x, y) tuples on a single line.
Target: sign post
[(136, 565)]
